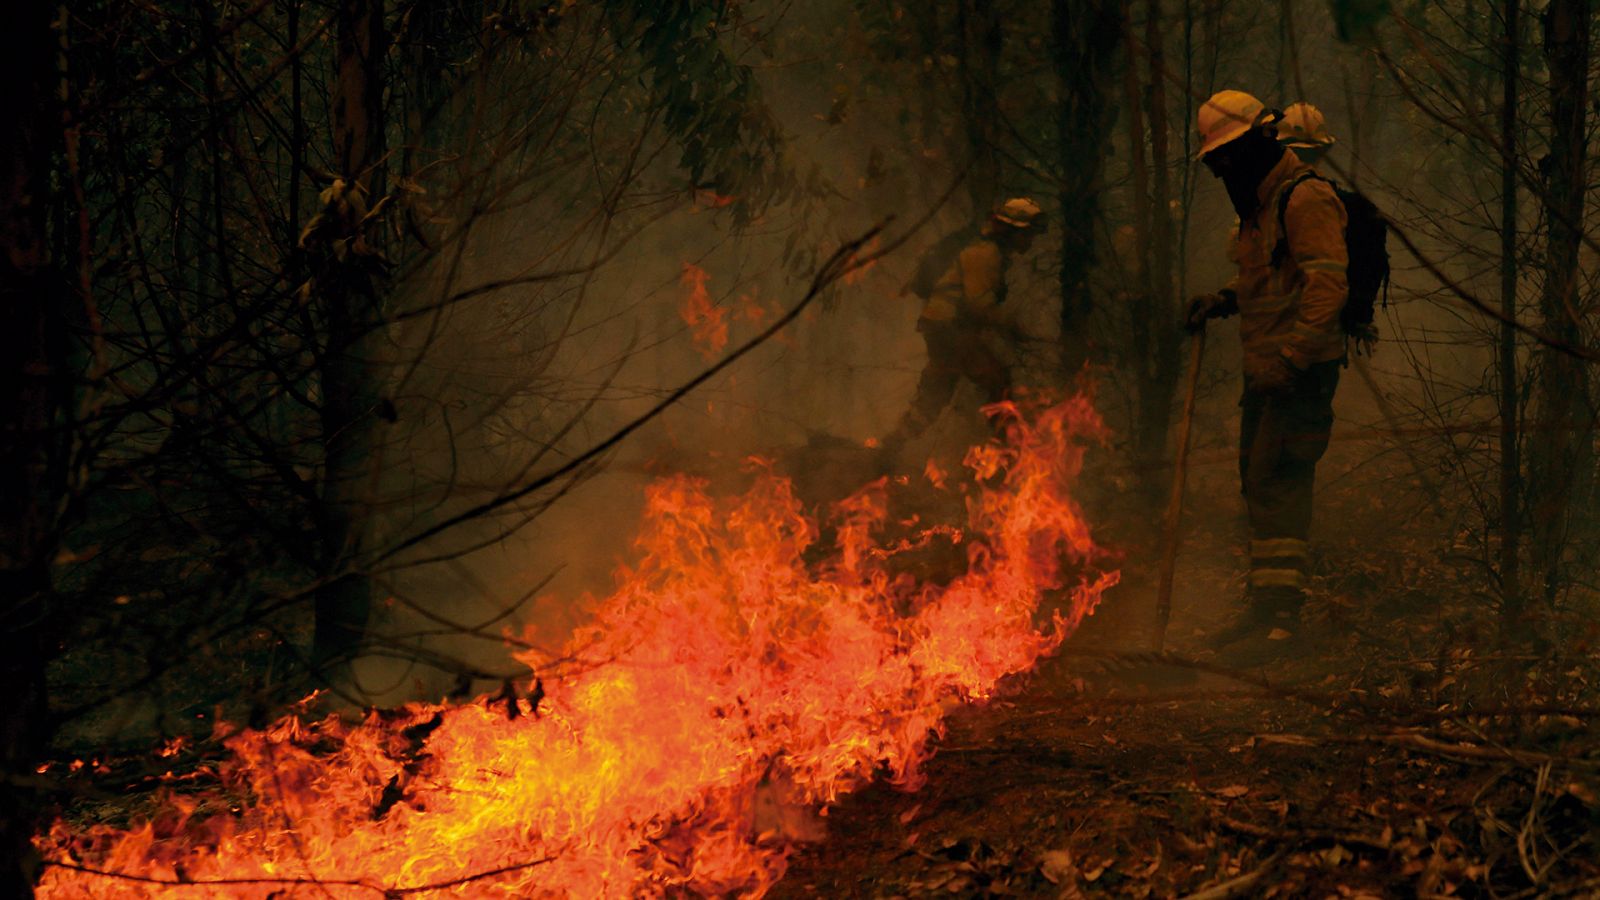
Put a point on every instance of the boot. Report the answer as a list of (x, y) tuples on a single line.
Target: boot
[(1266, 611)]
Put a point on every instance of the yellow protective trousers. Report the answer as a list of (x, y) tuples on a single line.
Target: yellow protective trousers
[(956, 351), (1281, 438)]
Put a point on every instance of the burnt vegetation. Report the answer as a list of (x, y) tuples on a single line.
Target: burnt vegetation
[(336, 332)]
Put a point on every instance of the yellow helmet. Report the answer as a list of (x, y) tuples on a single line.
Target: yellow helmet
[(1226, 116), (1302, 125), (1018, 212)]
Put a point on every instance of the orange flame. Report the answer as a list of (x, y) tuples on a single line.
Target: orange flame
[(724, 672), (750, 308), (707, 322), (709, 199)]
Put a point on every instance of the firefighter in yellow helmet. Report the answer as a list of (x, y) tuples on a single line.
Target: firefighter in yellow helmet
[(1304, 131), (965, 288), (1289, 295)]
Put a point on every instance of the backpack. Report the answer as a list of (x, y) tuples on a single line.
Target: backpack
[(1366, 236)]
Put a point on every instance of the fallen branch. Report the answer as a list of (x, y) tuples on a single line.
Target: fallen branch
[(1242, 886), (1302, 836), (1414, 741)]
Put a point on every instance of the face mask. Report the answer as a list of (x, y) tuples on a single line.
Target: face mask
[(1246, 165), (1242, 193)]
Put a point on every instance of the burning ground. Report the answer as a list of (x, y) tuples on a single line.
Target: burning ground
[(754, 667), (741, 671), (1400, 760)]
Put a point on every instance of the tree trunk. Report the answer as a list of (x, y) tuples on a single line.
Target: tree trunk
[(1561, 446), (1211, 40), (443, 35), (1510, 467), (1139, 188), (34, 384), (1160, 376), (349, 288), (1084, 39), (980, 39)]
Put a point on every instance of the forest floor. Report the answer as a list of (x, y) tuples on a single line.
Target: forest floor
[(1392, 755), (1400, 751)]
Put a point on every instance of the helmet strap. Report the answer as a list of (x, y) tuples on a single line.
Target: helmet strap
[(1267, 118)]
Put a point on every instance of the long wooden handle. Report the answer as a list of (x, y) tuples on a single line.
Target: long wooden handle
[(1180, 472)]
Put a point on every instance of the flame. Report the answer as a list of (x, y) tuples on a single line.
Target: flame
[(707, 322), (710, 199), (723, 675), (751, 309)]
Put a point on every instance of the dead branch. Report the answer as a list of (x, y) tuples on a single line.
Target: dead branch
[(1242, 886), (1301, 836), (1414, 741)]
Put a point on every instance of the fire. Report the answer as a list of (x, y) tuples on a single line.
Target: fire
[(750, 308), (709, 199), (725, 674), (708, 323)]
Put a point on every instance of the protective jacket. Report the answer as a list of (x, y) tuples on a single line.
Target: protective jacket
[(966, 303), (973, 289), (1292, 309)]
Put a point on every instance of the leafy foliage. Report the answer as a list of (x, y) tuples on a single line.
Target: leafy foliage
[(708, 101)]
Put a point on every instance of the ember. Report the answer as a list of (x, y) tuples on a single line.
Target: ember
[(708, 322), (723, 675)]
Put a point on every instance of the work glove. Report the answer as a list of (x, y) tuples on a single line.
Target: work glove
[(1218, 305), (1271, 375)]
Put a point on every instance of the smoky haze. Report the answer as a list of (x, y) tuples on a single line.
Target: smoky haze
[(583, 356), (347, 344)]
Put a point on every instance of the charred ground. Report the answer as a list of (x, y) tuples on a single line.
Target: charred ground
[(1394, 759)]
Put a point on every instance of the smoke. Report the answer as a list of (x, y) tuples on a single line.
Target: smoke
[(518, 382), (513, 384)]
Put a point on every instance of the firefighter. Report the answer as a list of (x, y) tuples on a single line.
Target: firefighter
[(965, 309), (1303, 130), (1289, 306)]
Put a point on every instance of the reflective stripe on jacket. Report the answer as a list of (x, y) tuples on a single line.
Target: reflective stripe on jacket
[(1293, 309)]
